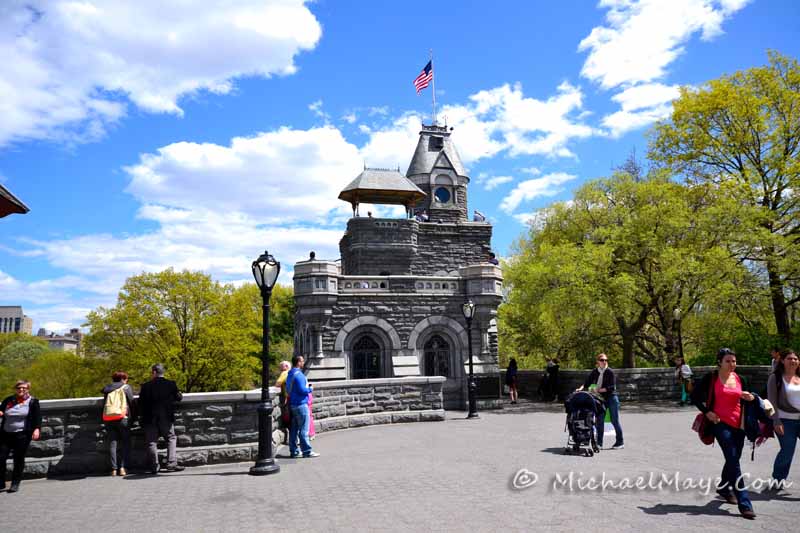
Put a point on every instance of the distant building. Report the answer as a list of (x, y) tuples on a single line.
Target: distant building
[(69, 342), (13, 320)]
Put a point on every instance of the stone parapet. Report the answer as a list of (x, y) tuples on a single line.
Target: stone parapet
[(221, 427)]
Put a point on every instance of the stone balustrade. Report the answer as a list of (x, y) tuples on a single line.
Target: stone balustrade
[(222, 427)]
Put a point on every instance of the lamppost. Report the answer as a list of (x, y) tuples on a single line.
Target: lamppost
[(468, 309), (265, 270)]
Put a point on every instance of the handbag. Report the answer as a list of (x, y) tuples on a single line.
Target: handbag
[(701, 423)]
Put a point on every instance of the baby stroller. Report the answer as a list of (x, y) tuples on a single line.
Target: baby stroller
[(583, 408)]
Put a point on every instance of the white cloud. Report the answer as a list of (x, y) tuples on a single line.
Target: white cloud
[(547, 185), (70, 67), (394, 145), (495, 120), (533, 171), (640, 105), (642, 38), (316, 108), (275, 177), (350, 118), (492, 183)]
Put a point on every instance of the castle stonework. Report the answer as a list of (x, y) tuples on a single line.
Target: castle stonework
[(393, 306)]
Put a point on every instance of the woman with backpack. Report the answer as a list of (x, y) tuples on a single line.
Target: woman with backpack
[(719, 397), (20, 423), (117, 417), (783, 391)]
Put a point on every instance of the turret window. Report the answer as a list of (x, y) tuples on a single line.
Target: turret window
[(443, 189)]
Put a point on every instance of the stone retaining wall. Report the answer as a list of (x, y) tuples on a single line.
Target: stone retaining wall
[(634, 384), (222, 427)]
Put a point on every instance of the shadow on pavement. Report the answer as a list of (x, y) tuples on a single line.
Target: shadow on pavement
[(555, 451), (711, 508)]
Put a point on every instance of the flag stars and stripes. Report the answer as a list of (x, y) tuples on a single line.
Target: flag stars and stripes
[(425, 77)]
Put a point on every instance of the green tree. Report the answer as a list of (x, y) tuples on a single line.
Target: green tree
[(18, 349), (610, 268), (207, 334), (742, 132), (248, 304), (56, 375)]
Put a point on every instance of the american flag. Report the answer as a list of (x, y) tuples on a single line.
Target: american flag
[(424, 77)]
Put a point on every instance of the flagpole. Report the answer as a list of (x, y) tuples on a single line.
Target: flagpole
[(433, 91)]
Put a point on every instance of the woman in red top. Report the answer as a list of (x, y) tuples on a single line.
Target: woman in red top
[(720, 396)]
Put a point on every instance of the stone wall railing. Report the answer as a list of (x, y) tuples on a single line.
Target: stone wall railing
[(222, 427), (634, 384)]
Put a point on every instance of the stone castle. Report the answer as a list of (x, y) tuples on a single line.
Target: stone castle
[(391, 307)]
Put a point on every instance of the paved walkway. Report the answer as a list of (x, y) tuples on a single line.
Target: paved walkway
[(451, 476)]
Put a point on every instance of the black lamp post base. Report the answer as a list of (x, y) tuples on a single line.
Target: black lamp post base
[(265, 467)]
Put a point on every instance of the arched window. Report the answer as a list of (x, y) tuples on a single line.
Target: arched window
[(437, 357), (366, 358)]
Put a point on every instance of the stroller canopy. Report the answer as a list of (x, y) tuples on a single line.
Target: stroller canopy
[(584, 400)]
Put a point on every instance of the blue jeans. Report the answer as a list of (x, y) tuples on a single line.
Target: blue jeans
[(731, 442), (299, 429), (612, 404), (791, 432)]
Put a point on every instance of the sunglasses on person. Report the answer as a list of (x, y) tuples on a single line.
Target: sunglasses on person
[(602, 360), (22, 388)]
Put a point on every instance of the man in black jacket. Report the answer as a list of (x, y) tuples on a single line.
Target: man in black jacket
[(157, 401)]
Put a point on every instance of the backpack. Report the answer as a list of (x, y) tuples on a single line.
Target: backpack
[(116, 407)]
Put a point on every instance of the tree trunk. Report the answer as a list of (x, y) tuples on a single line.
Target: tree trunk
[(628, 359), (779, 307)]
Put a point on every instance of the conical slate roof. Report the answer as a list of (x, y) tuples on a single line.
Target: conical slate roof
[(10, 203), (381, 186), (434, 141)]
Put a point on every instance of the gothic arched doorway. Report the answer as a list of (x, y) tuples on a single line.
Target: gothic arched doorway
[(366, 358), (437, 356)]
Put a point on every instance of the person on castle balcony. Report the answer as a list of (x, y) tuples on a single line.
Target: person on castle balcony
[(493, 259)]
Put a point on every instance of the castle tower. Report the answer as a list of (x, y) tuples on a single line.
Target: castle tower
[(437, 170), (392, 306)]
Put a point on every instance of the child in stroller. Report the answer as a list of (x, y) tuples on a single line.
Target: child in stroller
[(583, 408)]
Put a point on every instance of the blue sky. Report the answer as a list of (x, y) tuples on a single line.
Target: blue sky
[(148, 134)]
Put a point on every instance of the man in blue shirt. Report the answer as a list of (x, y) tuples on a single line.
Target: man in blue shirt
[(298, 389)]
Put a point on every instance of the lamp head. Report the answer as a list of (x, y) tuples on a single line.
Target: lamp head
[(266, 270), (468, 309)]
